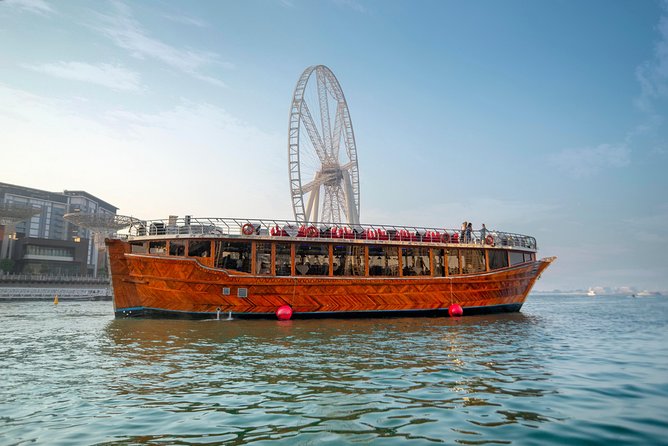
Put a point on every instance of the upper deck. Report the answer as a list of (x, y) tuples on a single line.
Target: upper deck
[(275, 229)]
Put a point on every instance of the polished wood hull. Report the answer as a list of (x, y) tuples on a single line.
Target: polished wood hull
[(150, 285)]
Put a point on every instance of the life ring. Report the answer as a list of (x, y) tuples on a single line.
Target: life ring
[(371, 234), (489, 240), (312, 231), (445, 238), (248, 229)]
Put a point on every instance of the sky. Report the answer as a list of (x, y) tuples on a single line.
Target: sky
[(542, 118)]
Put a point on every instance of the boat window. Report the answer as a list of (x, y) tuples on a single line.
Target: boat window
[(199, 248), (177, 247), (348, 260), (263, 258), (516, 257), (383, 260), (233, 255), (138, 247), (312, 259), (415, 261), (452, 256), (497, 259), (283, 260), (158, 247), (473, 261), (439, 265), (529, 257)]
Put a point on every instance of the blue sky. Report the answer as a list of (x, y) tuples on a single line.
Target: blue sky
[(544, 118)]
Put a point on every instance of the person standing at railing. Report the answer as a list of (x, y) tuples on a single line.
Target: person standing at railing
[(462, 235), (469, 231), (483, 234)]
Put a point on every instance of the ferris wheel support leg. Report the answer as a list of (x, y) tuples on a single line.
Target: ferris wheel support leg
[(313, 205), (353, 217)]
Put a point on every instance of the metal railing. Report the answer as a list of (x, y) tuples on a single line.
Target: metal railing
[(51, 293), (48, 278), (219, 227)]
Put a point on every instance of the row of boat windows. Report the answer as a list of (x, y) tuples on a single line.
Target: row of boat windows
[(313, 259)]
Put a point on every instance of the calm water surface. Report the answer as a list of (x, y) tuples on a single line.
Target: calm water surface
[(574, 370)]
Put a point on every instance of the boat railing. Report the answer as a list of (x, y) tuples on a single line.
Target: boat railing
[(213, 227)]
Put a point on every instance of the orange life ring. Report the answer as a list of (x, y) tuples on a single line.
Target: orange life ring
[(312, 231), (489, 240), (248, 229)]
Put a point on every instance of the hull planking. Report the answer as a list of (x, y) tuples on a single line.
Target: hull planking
[(180, 287)]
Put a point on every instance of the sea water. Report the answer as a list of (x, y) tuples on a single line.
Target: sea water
[(566, 370)]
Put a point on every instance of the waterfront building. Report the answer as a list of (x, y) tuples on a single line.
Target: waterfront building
[(46, 243)]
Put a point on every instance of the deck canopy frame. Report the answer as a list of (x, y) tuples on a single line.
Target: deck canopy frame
[(214, 227)]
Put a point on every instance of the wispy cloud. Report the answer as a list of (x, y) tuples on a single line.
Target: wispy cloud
[(652, 77), (587, 161), (186, 20), (111, 76), (63, 135), (351, 4), (35, 6), (128, 33), (653, 74)]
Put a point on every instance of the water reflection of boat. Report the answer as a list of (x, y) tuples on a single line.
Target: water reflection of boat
[(197, 267)]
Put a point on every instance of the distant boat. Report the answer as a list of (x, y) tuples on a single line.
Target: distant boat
[(591, 293), (648, 293)]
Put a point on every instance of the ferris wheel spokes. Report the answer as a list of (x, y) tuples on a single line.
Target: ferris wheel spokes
[(336, 137), (313, 134), (324, 108)]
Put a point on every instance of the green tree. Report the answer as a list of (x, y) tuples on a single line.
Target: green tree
[(6, 265)]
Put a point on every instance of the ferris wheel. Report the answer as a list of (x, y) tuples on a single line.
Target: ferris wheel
[(324, 180)]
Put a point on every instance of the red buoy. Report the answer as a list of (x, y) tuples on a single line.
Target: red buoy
[(284, 312), (455, 310)]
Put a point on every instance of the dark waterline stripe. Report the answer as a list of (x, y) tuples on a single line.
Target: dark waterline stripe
[(142, 312)]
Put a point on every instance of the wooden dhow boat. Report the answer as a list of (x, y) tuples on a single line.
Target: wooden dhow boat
[(204, 267)]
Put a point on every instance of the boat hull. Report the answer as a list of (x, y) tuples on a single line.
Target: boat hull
[(161, 286)]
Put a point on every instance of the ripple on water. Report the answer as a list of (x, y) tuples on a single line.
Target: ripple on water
[(75, 375)]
